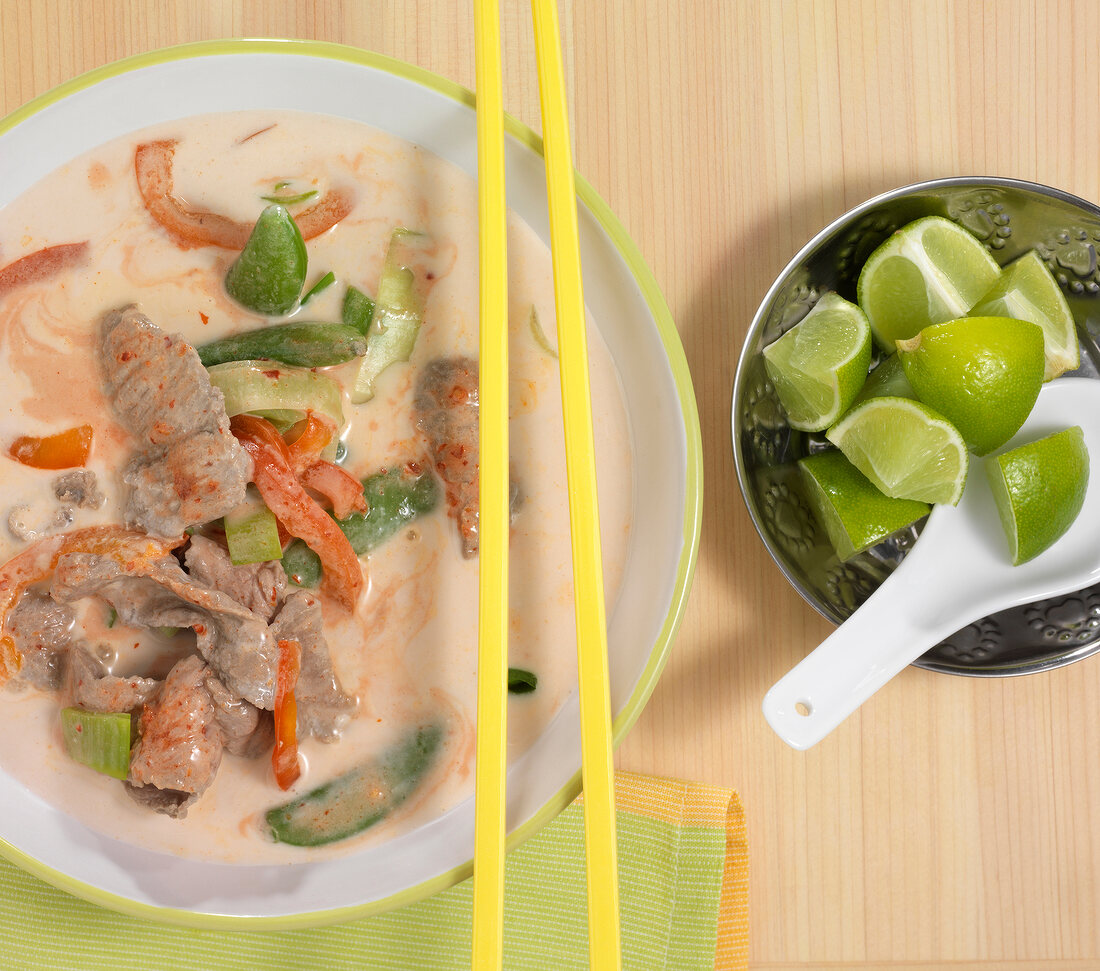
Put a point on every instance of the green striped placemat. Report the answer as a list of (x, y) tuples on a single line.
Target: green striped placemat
[(683, 885)]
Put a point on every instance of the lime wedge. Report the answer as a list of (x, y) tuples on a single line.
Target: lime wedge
[(886, 379), (1027, 290), (854, 513), (982, 374), (905, 448), (820, 364), (927, 272), (1039, 489)]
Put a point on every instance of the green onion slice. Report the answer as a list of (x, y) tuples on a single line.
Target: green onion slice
[(98, 739)]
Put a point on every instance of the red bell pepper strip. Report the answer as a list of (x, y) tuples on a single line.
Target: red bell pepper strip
[(199, 227), (299, 513), (342, 489), (65, 450), (284, 757), (311, 436), (41, 265), (338, 486)]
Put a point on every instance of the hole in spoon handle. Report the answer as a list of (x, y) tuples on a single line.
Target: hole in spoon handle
[(850, 665)]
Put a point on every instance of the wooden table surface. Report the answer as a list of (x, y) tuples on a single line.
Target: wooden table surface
[(950, 821)]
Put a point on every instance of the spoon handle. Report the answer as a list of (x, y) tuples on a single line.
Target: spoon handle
[(866, 651), (896, 625)]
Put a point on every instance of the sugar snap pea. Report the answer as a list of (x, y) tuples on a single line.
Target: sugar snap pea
[(357, 799), (395, 498), (358, 309), (305, 344), (268, 275)]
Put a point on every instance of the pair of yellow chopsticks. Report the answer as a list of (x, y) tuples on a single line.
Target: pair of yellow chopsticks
[(595, 703)]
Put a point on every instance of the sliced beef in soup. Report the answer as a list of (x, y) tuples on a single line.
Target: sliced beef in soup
[(246, 730), (258, 586), (189, 469), (159, 593), (42, 630), (171, 802), (323, 707), (446, 412), (180, 744), (93, 689)]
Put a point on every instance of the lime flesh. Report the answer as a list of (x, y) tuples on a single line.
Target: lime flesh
[(905, 448), (1028, 291), (819, 365), (929, 271)]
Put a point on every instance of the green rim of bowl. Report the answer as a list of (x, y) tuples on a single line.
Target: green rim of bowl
[(670, 338)]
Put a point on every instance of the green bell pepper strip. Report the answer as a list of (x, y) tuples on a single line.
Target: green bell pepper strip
[(357, 799), (306, 344), (398, 312), (268, 276), (395, 498), (98, 739)]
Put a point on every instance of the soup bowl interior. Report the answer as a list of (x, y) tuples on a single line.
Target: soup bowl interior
[(1010, 218), (633, 322)]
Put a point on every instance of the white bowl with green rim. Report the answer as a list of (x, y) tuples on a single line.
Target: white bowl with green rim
[(634, 321)]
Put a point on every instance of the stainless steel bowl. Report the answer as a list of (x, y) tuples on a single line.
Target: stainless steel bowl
[(1010, 217)]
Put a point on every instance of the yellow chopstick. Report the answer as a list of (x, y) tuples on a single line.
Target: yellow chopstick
[(492, 736), (599, 794)]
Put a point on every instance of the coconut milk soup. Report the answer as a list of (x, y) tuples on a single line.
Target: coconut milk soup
[(394, 675)]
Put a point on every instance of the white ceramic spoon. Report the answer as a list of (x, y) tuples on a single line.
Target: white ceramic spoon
[(958, 571)]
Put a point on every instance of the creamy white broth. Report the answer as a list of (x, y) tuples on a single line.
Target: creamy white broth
[(410, 650)]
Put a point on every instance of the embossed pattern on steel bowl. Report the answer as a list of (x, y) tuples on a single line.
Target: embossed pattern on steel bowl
[(1010, 217)]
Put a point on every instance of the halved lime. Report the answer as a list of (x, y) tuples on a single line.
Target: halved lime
[(820, 364), (905, 448), (855, 514), (929, 271), (1039, 489), (1027, 290), (982, 374)]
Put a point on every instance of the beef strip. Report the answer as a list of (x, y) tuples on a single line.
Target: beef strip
[(246, 730), (323, 706), (180, 743), (93, 689), (258, 586), (42, 630), (158, 593), (189, 468), (171, 802), (446, 406)]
